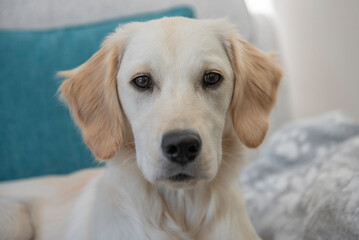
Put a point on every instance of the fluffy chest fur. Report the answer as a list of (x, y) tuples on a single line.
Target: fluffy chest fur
[(133, 209)]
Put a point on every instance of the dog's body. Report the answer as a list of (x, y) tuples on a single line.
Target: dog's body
[(164, 103), (115, 203)]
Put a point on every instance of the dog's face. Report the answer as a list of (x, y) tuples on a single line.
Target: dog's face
[(175, 88), (177, 82)]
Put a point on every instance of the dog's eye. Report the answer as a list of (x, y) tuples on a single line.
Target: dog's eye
[(211, 79), (142, 82)]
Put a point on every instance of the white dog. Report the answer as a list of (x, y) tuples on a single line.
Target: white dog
[(164, 103)]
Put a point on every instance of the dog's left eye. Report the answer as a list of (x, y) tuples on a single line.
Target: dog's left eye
[(211, 79), (142, 82)]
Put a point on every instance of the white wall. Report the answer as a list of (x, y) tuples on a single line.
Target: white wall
[(320, 43)]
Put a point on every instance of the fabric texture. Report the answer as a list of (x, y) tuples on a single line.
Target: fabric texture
[(37, 134), (304, 183)]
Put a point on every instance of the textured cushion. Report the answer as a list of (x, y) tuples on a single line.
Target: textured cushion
[(37, 134), (304, 183)]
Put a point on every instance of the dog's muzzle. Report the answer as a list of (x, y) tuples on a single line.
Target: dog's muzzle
[(181, 148)]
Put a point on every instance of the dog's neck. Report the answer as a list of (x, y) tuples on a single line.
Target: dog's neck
[(182, 210)]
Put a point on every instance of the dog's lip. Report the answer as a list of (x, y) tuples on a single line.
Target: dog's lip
[(180, 177)]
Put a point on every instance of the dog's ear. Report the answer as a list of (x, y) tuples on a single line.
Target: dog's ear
[(256, 80), (90, 91)]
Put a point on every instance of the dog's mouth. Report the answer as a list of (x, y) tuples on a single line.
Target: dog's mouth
[(181, 177)]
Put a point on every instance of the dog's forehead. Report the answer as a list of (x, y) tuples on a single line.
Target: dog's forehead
[(176, 37)]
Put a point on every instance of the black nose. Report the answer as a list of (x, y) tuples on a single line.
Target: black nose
[(181, 146)]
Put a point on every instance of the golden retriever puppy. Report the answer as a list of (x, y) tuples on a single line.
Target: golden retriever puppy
[(167, 104)]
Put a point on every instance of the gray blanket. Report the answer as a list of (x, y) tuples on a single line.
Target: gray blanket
[(305, 182)]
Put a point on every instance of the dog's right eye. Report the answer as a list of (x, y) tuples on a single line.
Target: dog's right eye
[(142, 82)]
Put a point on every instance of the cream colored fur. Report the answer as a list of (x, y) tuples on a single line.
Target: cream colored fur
[(132, 198)]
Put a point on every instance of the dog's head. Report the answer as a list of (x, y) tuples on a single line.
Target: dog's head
[(176, 83)]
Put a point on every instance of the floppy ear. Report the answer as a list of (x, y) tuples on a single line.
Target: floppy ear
[(257, 77), (91, 94)]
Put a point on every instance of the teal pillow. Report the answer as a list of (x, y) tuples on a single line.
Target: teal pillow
[(37, 134)]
